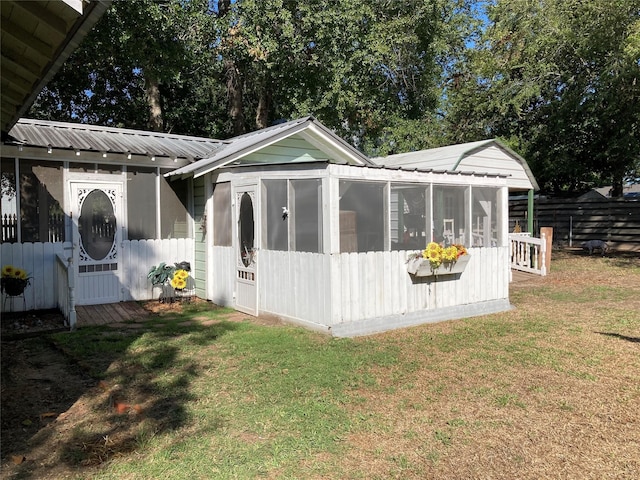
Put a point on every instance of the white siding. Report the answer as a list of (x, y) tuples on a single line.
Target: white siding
[(138, 256)]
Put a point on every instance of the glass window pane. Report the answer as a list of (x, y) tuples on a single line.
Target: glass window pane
[(174, 212), (306, 215), (141, 203), (274, 224), (362, 216), (222, 214), (408, 217), (449, 214), (484, 218)]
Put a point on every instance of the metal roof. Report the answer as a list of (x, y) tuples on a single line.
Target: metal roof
[(75, 136), (309, 128), (485, 156), (37, 38)]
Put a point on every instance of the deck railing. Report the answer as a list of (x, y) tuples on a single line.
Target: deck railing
[(528, 254), (65, 289)]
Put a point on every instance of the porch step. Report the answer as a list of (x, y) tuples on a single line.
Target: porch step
[(109, 313)]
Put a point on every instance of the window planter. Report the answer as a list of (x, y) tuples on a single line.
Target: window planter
[(420, 267)]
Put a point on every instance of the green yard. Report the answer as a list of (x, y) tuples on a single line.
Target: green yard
[(550, 389)]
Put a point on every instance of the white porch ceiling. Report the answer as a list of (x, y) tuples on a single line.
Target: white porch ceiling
[(37, 38)]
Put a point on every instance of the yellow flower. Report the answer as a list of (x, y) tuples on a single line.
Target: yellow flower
[(450, 254), (179, 283), (8, 271), (19, 273), (182, 274)]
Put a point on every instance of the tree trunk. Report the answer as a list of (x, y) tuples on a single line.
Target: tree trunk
[(233, 79), (264, 104), (234, 92), (617, 188), (152, 92)]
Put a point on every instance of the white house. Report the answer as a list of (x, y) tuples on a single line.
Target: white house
[(290, 220)]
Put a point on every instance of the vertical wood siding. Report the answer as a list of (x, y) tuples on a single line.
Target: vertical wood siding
[(222, 276), (199, 266), (138, 256), (340, 288), (39, 261)]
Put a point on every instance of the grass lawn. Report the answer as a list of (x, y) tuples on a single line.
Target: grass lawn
[(550, 389)]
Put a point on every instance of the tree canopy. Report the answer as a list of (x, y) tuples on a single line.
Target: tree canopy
[(557, 79)]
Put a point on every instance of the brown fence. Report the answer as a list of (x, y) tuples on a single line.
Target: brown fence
[(574, 221)]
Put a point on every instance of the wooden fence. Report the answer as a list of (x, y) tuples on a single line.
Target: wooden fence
[(41, 262), (574, 221)]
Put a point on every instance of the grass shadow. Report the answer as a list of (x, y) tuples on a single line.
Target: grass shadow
[(621, 337), (137, 382)]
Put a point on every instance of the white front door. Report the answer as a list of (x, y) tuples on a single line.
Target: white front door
[(246, 248), (96, 209)]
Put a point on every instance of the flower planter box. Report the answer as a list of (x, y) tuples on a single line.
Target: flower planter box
[(420, 267)]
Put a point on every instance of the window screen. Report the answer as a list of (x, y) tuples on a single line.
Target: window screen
[(305, 218), (362, 216), (274, 223), (141, 203), (409, 217), (222, 214), (174, 213), (449, 219), (9, 201), (40, 187), (484, 217)]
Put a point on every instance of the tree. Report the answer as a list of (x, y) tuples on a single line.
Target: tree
[(144, 65), (560, 80), (367, 68)]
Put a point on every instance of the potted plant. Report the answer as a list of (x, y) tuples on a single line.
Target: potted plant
[(172, 279), (438, 260), (14, 280)]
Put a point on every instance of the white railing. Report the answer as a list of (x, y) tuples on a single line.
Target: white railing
[(65, 289), (528, 254)]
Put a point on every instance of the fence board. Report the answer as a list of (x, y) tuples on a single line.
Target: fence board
[(616, 221)]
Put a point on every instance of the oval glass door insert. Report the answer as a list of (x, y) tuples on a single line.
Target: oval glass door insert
[(97, 225)]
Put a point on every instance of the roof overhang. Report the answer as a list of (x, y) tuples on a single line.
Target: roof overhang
[(37, 38), (308, 128)]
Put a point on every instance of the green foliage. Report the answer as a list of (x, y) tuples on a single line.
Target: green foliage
[(560, 77)]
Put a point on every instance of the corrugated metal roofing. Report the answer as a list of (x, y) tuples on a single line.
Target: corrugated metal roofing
[(75, 136), (485, 156), (239, 147)]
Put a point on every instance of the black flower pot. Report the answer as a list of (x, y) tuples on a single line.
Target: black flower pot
[(14, 286)]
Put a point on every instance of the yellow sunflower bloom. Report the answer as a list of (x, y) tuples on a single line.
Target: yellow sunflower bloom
[(178, 283), (8, 271)]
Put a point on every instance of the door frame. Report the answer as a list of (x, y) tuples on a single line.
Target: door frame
[(246, 277), (98, 181)]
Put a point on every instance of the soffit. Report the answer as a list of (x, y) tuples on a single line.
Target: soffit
[(37, 37)]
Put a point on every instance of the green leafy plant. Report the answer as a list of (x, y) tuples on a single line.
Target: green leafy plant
[(161, 274)]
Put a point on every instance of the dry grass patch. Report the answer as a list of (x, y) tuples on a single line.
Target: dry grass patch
[(548, 390)]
